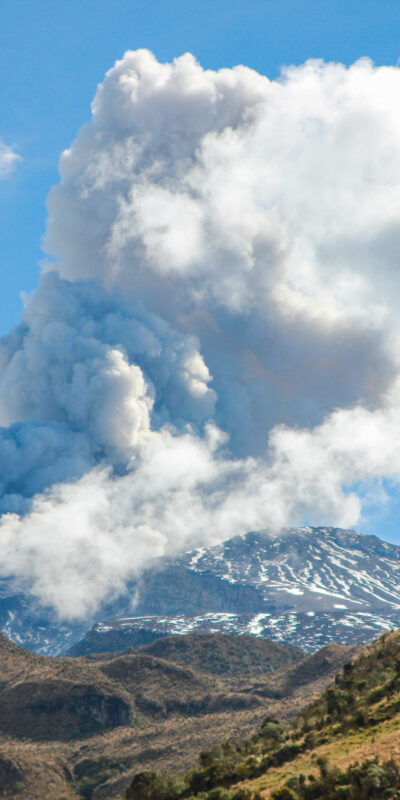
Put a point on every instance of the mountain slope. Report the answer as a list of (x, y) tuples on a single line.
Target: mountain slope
[(325, 563), (82, 727), (224, 654), (301, 586), (304, 586), (329, 751)]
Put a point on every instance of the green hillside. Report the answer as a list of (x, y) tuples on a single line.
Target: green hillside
[(345, 745)]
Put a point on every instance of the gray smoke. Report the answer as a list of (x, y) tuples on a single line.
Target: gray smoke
[(83, 379)]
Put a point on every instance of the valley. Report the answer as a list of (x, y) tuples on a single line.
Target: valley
[(82, 727), (344, 744)]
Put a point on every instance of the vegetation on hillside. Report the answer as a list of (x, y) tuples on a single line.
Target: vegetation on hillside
[(225, 654), (105, 723), (84, 727), (365, 697), (370, 780)]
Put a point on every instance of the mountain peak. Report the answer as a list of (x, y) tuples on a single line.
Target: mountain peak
[(301, 586)]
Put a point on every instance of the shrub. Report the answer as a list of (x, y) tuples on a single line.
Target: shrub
[(150, 785), (219, 794), (286, 753), (284, 793), (242, 794)]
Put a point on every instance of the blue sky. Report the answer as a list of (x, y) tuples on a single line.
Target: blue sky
[(53, 54)]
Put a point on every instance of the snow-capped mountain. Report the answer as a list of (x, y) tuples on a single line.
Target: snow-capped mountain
[(302, 586), (326, 567)]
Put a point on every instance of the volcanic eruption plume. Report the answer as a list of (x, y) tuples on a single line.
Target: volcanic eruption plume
[(214, 345)]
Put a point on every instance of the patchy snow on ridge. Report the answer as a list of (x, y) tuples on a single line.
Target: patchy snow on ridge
[(305, 587), (328, 562)]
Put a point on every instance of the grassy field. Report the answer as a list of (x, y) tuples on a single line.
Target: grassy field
[(344, 749)]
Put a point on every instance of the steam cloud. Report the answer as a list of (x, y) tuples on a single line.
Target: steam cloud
[(219, 347)]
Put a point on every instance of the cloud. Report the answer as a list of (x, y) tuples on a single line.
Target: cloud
[(84, 378), (83, 542), (220, 348), (8, 160), (259, 215)]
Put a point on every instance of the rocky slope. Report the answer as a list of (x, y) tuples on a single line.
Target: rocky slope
[(305, 587)]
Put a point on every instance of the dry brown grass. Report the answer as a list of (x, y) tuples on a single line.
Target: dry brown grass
[(344, 750)]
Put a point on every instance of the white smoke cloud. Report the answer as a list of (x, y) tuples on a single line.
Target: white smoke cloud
[(221, 351), (8, 160), (82, 542)]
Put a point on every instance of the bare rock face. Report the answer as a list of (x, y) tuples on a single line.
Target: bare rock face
[(179, 590), (59, 710), (105, 711)]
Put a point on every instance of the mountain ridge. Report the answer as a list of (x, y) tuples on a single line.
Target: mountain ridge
[(300, 586)]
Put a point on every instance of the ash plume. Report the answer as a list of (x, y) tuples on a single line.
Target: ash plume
[(214, 346)]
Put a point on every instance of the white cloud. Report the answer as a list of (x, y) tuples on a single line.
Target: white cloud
[(8, 160)]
